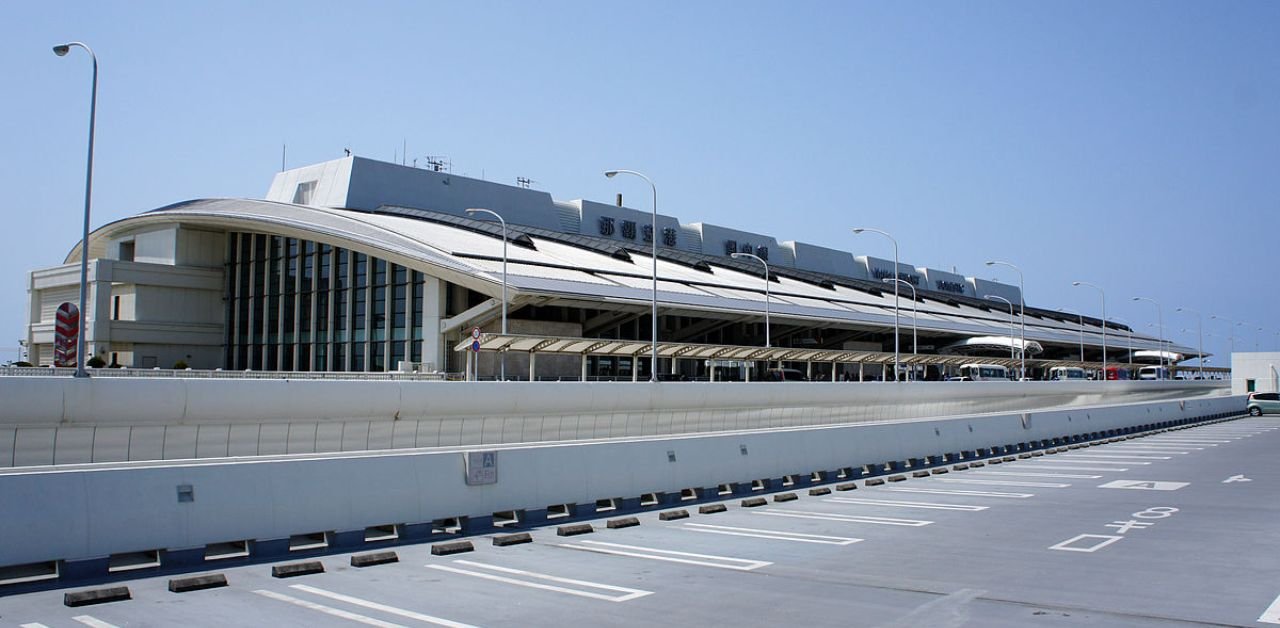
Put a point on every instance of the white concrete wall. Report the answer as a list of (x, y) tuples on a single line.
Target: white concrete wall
[(104, 509), (1261, 367), (61, 420)]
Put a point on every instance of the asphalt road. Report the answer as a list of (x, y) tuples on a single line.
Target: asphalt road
[(1176, 528)]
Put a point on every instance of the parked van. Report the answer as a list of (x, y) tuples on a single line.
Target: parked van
[(1064, 373), (984, 373), (1153, 372)]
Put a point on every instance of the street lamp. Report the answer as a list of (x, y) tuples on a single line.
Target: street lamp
[(1065, 311), (914, 317), (996, 297), (1104, 324), (766, 290), (1160, 318), (1022, 310), (62, 51), (897, 357), (473, 212), (653, 368), (1199, 334)]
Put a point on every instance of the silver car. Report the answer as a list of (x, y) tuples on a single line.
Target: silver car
[(1261, 403)]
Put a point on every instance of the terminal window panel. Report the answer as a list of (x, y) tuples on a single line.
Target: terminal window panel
[(295, 304)]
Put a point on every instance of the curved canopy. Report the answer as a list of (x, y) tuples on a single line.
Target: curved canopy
[(991, 344)]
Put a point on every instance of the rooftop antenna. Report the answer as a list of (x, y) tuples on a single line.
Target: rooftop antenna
[(404, 150), (438, 163), (524, 182), (347, 151), (283, 149)]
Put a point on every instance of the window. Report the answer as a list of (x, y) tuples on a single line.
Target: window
[(302, 195), (126, 251)]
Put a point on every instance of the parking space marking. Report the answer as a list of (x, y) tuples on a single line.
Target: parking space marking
[(830, 516), (93, 622), (1145, 485), (1032, 474), (32, 625), (380, 607), (1181, 451), (1099, 541), (736, 564), (1001, 483), (1055, 468), (939, 491), (1097, 461), (328, 610), (771, 534), (1201, 442), (1099, 454), (628, 594), (904, 504), (1272, 614)]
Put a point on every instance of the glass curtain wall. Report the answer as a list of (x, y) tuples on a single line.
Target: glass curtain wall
[(299, 305)]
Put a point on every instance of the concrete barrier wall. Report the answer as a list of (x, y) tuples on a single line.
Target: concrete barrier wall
[(62, 420), (87, 513)]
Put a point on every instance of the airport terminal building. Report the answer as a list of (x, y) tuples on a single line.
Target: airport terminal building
[(356, 265)]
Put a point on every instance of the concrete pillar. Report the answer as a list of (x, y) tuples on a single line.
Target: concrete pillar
[(833, 370), (808, 369), (433, 342), (860, 372), (635, 368), (533, 361), (469, 361), (713, 370), (584, 366)]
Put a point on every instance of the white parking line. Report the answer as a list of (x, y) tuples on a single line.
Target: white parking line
[(736, 564), (1272, 614), (1064, 460), (1198, 441), (1149, 450), (938, 491), (627, 593), (1037, 475), (1001, 482), (905, 504), (1100, 454), (328, 610), (93, 622), (771, 534), (32, 625), (1055, 468), (830, 516), (380, 607), (1099, 541)]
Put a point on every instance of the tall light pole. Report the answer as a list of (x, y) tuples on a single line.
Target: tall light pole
[(1199, 334), (996, 297), (653, 368), (1160, 318), (473, 212), (897, 357), (1104, 325), (1064, 311), (1022, 310), (62, 51), (914, 316), (766, 291)]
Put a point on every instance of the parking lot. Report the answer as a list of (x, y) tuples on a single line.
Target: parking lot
[(1172, 528)]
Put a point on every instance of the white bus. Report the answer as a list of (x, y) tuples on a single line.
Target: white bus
[(1153, 372), (984, 372), (1067, 373)]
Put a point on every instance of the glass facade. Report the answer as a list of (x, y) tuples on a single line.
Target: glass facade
[(298, 305)]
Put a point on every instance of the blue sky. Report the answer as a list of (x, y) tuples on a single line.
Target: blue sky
[(1130, 144)]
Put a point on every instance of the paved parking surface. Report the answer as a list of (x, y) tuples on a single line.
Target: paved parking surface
[(1177, 528)]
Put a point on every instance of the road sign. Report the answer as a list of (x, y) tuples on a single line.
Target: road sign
[(475, 346), (66, 332), (481, 467), (475, 333)]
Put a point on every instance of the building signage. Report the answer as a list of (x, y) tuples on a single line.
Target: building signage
[(482, 467), (882, 274), (732, 246), (949, 286), (629, 229)]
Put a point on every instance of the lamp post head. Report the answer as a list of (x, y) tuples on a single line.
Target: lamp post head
[(61, 50), (611, 173), (859, 230), (735, 255), (1075, 283), (991, 263)]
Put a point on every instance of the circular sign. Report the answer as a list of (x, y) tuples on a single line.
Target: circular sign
[(475, 346), (475, 333)]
